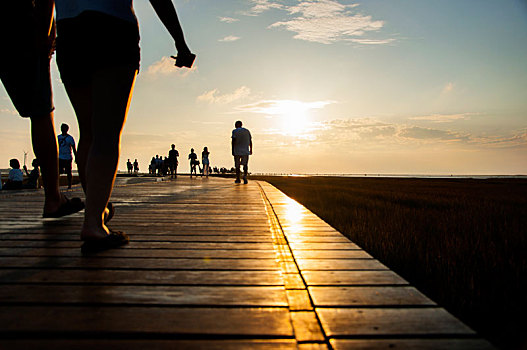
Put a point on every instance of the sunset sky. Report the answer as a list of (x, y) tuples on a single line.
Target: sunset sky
[(327, 86)]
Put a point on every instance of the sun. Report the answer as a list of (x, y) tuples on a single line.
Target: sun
[(293, 116)]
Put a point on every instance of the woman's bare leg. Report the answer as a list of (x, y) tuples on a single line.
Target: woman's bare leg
[(45, 148), (101, 112)]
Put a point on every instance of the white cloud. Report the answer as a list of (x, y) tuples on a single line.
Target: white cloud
[(230, 38), (324, 21), (372, 41), (214, 96), (280, 107), (259, 6), (443, 118), (228, 19), (165, 66)]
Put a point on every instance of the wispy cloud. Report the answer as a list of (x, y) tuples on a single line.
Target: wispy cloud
[(323, 21), (280, 107), (214, 96), (229, 38), (259, 6), (228, 19), (165, 66), (443, 118), (419, 133)]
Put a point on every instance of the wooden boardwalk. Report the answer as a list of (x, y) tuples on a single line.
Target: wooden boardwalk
[(210, 265)]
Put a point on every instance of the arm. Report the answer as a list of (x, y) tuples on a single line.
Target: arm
[(74, 149), (251, 147), (166, 12), (233, 143)]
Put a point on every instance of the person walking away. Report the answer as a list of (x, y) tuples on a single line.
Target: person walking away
[(205, 161), (172, 161), (29, 35), (193, 157), (242, 148), (136, 166), (66, 146), (98, 60)]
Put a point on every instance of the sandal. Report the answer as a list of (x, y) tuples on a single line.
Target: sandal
[(71, 206), (113, 240)]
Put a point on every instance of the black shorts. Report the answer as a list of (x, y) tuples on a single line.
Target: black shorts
[(94, 41), (24, 68), (65, 166)]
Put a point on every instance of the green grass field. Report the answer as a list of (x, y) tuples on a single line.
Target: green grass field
[(462, 242)]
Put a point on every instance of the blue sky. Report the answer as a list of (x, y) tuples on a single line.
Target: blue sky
[(327, 86)]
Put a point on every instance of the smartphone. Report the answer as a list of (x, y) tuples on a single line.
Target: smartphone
[(184, 61)]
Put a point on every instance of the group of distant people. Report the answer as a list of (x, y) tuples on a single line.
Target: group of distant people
[(133, 168), (98, 59)]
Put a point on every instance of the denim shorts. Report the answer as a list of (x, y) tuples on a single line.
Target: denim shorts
[(95, 41)]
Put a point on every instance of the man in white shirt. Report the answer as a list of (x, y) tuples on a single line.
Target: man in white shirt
[(242, 148), (66, 145)]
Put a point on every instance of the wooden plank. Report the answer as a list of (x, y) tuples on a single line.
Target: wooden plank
[(142, 253), (261, 238), (368, 296), (139, 344), (145, 245), (144, 295), (270, 278), (340, 264), (390, 322), (323, 246), (306, 326), (144, 321), (140, 263), (411, 344), (328, 278), (331, 254)]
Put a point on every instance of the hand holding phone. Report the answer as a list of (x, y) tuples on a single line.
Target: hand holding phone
[(184, 60)]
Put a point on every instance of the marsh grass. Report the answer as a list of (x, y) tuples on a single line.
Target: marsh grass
[(462, 242)]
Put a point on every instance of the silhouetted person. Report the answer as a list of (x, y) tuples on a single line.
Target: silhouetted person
[(28, 37), (172, 160), (136, 166), (16, 177), (98, 59), (152, 167), (129, 166), (205, 161), (33, 176), (66, 146), (242, 148), (193, 157)]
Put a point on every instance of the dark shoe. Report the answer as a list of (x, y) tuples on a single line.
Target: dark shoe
[(113, 240), (71, 206), (245, 181), (111, 212), (237, 181)]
